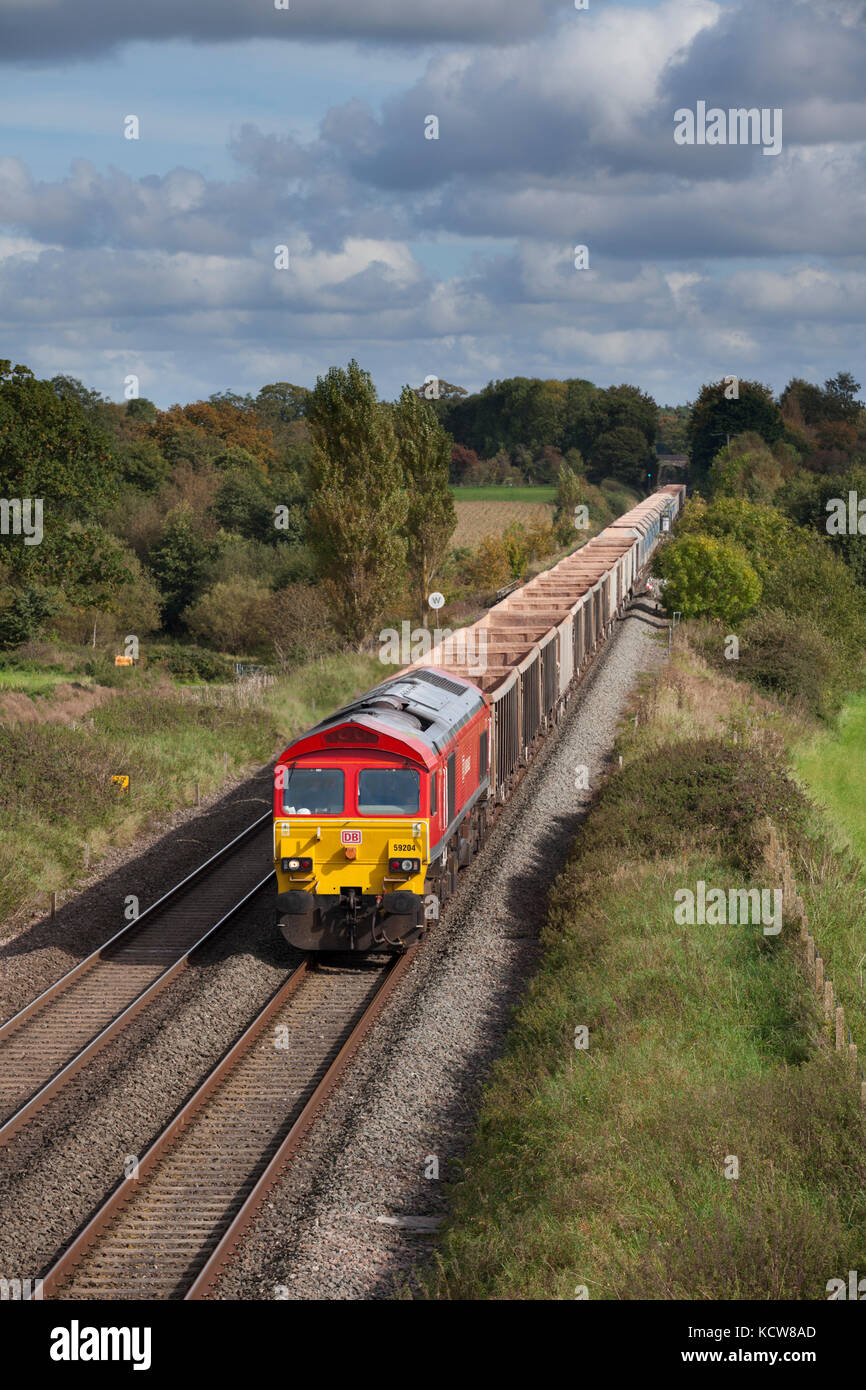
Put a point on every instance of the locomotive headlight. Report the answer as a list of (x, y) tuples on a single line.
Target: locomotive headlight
[(296, 866), (404, 866)]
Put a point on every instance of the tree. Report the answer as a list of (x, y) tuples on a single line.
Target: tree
[(718, 413), (708, 578), (569, 489), (69, 388), (195, 431), (842, 390), (672, 435), (745, 468), (142, 466), (624, 453), (140, 408), (179, 563), (424, 454), (359, 507), (282, 401), (463, 461), (50, 448)]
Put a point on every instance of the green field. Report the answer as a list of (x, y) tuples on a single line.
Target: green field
[(833, 767), (495, 492), (30, 682)]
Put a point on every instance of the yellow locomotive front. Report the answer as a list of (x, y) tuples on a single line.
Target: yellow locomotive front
[(351, 851)]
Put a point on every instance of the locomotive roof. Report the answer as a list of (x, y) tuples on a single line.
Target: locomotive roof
[(424, 705)]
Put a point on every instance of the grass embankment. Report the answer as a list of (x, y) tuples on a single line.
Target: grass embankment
[(605, 1168), (55, 788), (832, 764)]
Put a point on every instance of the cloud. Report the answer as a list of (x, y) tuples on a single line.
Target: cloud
[(52, 31), (703, 260)]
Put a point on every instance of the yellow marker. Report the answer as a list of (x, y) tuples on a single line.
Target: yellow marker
[(120, 780), (123, 661)]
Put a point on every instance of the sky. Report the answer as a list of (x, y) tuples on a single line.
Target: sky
[(304, 127)]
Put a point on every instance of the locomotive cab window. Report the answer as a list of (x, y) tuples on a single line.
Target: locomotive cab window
[(432, 793), (314, 791), (389, 791)]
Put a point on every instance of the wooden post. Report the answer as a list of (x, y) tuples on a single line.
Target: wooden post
[(197, 794), (819, 974), (829, 1002), (225, 762), (54, 902), (86, 855), (840, 1028)]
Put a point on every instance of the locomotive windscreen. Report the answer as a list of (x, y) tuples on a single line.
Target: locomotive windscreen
[(318, 791)]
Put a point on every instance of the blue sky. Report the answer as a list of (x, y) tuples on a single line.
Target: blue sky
[(453, 257)]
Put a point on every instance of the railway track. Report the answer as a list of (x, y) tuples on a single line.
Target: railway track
[(167, 1231), (44, 1045)]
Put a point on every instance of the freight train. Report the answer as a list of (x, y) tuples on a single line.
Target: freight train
[(379, 806)]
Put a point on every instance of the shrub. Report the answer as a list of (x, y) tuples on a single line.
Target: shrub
[(232, 616), (299, 625), (793, 658), (655, 805), (708, 578), (187, 662)]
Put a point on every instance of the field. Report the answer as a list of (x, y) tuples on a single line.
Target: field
[(475, 520), (833, 767), (494, 492)]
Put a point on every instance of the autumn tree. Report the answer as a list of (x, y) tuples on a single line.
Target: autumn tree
[(196, 431), (359, 507)]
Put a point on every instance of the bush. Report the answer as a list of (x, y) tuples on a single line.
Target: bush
[(299, 625), (489, 567), (232, 616), (792, 657), (708, 578), (655, 806), (188, 663)]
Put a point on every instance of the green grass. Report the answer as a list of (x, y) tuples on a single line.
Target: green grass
[(496, 492), (55, 788), (31, 683), (832, 764)]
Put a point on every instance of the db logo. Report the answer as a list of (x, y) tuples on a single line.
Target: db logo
[(350, 837)]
